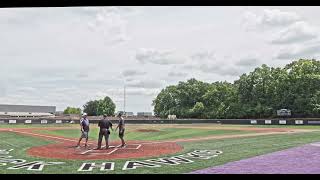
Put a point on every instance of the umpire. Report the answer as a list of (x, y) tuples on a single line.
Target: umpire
[(104, 125)]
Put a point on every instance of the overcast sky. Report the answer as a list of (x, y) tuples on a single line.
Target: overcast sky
[(67, 56)]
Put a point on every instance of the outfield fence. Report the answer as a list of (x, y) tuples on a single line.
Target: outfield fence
[(313, 121)]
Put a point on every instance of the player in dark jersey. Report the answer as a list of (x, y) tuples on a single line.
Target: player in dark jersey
[(84, 124), (121, 127), (104, 125)]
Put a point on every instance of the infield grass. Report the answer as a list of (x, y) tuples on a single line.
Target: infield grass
[(162, 134)]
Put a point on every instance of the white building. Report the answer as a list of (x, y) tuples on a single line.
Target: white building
[(26, 111)]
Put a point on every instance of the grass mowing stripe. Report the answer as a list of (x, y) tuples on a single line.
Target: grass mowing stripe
[(10, 144), (165, 134)]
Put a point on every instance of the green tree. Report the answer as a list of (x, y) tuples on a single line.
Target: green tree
[(91, 108), (256, 91), (257, 94), (106, 106), (304, 83), (315, 103), (197, 110), (72, 110), (180, 99), (166, 102)]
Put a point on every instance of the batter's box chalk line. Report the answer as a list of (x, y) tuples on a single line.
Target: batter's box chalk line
[(114, 149)]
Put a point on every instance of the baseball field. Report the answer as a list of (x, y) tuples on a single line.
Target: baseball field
[(162, 149)]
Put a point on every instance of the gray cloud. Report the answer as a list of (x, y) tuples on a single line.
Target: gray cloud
[(82, 75), (203, 55), (22, 16), (230, 71), (297, 32), (128, 79), (173, 74), (27, 90), (2, 90), (207, 62), (142, 91), (209, 68), (227, 70), (154, 56), (302, 51), (269, 18), (132, 72), (111, 23), (247, 62), (145, 83)]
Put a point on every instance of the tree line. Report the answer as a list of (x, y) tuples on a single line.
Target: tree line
[(258, 94), (95, 108)]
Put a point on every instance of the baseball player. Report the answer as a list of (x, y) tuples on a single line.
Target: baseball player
[(121, 127), (84, 124), (104, 125)]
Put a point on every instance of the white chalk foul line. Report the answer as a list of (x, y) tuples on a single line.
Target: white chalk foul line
[(85, 152), (46, 136), (96, 153), (114, 150), (90, 150), (138, 147), (315, 144)]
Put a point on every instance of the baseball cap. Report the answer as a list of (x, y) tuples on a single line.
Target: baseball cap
[(84, 114)]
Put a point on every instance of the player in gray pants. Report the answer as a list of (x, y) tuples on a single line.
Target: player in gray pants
[(84, 124), (121, 127), (104, 125)]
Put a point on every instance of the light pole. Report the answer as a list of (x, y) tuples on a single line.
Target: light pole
[(171, 100), (124, 100)]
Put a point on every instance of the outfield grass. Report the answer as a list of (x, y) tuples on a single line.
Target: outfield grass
[(233, 149), (162, 134), (36, 125)]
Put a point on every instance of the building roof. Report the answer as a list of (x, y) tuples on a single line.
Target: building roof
[(27, 108), (24, 114)]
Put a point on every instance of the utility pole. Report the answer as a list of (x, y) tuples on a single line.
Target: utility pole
[(124, 101)]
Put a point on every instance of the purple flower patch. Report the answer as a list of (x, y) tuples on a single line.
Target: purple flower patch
[(299, 160)]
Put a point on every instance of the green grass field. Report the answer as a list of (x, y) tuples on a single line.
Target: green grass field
[(233, 148), (163, 134)]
